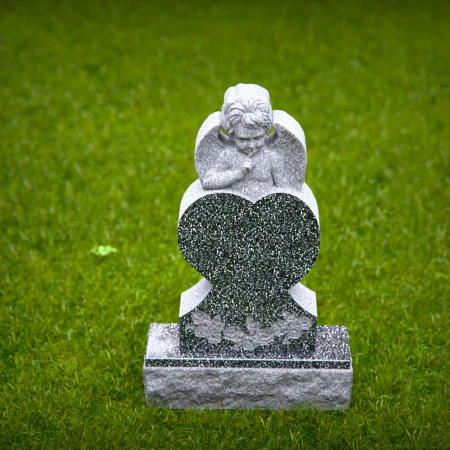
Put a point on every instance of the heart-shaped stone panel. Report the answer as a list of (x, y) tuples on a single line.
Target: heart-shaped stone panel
[(252, 254), (228, 239)]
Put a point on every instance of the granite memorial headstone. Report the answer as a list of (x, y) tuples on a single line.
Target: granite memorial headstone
[(247, 334)]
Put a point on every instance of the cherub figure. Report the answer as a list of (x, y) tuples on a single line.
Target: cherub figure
[(245, 160)]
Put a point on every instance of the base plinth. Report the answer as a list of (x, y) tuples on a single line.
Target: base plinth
[(323, 381)]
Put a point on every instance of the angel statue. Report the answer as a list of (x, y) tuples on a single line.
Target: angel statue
[(245, 158)]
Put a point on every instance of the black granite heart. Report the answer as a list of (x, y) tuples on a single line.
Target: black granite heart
[(252, 254), (228, 239)]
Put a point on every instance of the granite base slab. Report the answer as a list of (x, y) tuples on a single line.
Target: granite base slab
[(323, 381)]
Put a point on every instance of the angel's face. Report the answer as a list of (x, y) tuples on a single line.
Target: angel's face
[(247, 139)]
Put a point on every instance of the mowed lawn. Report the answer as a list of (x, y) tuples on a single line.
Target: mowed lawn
[(100, 106)]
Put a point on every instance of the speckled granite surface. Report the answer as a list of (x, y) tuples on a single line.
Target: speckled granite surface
[(323, 381)]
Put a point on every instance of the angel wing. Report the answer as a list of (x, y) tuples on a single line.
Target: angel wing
[(288, 140), (210, 144)]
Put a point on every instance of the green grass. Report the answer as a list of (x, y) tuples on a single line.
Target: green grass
[(100, 106)]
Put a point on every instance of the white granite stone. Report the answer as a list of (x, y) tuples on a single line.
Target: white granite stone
[(231, 388), (236, 387), (246, 160)]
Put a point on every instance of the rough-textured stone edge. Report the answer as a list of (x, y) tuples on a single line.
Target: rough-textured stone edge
[(222, 388), (247, 388)]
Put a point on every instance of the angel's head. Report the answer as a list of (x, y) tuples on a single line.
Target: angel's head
[(247, 115)]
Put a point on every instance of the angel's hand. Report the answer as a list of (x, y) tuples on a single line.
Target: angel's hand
[(247, 166)]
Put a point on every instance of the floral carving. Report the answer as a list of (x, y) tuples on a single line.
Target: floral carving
[(290, 327), (207, 327), (255, 336), (294, 326)]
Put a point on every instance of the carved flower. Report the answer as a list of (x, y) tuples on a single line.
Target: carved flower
[(305, 323), (254, 337), (233, 333), (278, 328), (295, 325), (290, 317), (206, 326), (253, 327), (240, 338), (291, 326), (249, 343), (265, 336)]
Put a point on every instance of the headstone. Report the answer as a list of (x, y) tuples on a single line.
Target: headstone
[(248, 335)]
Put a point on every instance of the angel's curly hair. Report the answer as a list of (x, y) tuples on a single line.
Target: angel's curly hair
[(252, 112)]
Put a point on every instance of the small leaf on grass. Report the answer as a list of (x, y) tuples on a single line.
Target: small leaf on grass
[(103, 250)]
